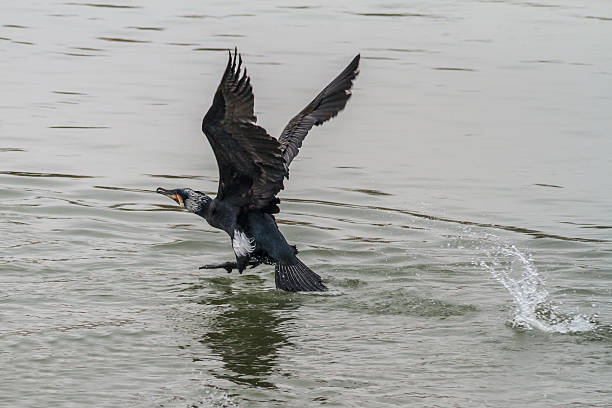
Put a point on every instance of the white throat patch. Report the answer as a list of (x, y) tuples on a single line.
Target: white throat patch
[(195, 201), (242, 244)]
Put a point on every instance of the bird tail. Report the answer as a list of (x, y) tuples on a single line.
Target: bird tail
[(297, 278)]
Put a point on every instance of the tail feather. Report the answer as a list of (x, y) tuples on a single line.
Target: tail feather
[(297, 278)]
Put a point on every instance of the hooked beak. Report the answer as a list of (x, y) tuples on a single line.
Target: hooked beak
[(171, 194)]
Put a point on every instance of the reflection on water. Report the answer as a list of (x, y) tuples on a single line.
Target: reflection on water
[(249, 334)]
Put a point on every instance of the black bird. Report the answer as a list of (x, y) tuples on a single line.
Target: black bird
[(252, 167)]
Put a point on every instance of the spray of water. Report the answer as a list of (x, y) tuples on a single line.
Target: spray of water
[(516, 271)]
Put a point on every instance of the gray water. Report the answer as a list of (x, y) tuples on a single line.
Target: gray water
[(459, 209)]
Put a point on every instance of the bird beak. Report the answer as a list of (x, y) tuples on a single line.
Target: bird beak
[(176, 197)]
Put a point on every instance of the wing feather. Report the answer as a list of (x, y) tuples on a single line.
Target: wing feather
[(251, 164), (331, 100)]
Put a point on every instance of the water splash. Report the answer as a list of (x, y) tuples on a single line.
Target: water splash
[(516, 271)]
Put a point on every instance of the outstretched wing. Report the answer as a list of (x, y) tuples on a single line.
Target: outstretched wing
[(251, 164), (331, 100)]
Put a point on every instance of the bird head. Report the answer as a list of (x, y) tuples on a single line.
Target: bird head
[(191, 200)]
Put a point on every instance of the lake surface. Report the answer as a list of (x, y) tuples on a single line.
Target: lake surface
[(459, 209)]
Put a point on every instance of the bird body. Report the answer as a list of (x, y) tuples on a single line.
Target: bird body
[(252, 168)]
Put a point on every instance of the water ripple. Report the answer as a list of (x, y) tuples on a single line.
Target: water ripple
[(52, 175), (122, 40), (532, 232), (104, 5)]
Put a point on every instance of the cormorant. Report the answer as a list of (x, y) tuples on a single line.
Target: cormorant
[(252, 166)]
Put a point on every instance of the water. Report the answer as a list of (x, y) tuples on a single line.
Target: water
[(459, 209), (534, 308)]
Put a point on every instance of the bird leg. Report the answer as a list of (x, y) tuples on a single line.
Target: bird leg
[(229, 266)]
